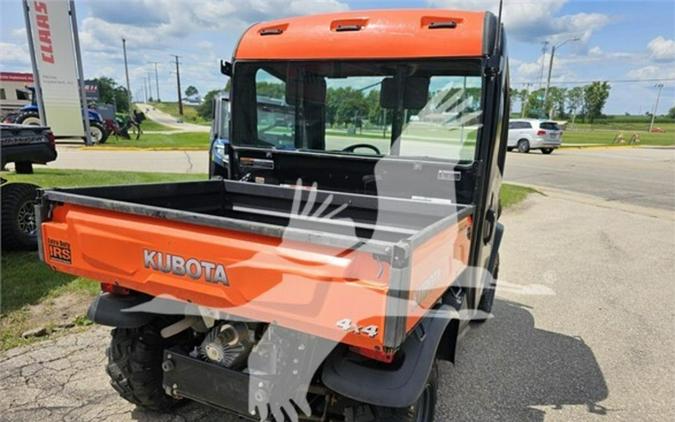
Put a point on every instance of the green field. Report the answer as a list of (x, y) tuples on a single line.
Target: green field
[(171, 140), (586, 135), (190, 114)]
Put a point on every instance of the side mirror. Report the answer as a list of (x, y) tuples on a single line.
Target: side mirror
[(226, 68), (415, 96)]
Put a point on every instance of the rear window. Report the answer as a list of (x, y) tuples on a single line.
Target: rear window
[(520, 125), (549, 126)]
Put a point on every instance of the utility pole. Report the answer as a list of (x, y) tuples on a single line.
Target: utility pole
[(145, 89), (126, 71), (157, 82), (544, 47), (550, 70), (150, 85), (524, 101), (656, 106), (180, 98)]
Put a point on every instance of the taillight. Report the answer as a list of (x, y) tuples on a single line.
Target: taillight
[(541, 133), (114, 289), (52, 139)]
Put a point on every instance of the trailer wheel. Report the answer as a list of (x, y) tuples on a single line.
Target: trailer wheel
[(422, 411), (19, 231), (487, 299), (135, 367)]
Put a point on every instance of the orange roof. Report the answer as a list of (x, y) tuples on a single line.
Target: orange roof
[(368, 34)]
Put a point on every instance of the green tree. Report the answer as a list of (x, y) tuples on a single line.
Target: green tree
[(555, 103), (205, 110), (595, 97), (270, 90), (535, 106), (671, 113), (575, 101), (109, 92), (191, 91)]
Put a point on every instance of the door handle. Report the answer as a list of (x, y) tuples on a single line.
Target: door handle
[(489, 228)]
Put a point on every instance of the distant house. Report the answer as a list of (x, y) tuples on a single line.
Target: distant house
[(13, 92)]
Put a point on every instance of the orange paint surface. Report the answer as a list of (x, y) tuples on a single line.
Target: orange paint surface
[(382, 34)]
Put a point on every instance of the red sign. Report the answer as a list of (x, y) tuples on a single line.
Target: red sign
[(16, 77)]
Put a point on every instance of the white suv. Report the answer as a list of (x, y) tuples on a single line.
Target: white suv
[(527, 134)]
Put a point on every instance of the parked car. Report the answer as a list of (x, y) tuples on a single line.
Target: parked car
[(25, 145), (528, 134)]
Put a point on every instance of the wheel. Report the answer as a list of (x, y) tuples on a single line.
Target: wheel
[(546, 151), (524, 146), (487, 299), (29, 118), (422, 411), (135, 366), (98, 133), (19, 231), (23, 167)]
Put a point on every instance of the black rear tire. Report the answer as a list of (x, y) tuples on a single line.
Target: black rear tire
[(99, 134), (23, 167), (135, 367), (546, 151), (31, 118), (19, 231), (422, 411)]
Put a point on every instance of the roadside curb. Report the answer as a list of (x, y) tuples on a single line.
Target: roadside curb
[(598, 201), (140, 149)]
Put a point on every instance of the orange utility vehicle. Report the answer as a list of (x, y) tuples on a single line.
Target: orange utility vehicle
[(348, 229)]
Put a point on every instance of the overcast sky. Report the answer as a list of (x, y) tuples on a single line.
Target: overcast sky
[(619, 39)]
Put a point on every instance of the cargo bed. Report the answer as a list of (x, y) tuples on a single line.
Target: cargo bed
[(384, 256)]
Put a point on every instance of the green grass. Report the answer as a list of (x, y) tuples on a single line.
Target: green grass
[(27, 281), (190, 114), (512, 194), (605, 137), (153, 126), (174, 140), (73, 178)]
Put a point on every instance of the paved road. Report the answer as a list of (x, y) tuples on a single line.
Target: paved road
[(168, 120), (599, 348), (641, 176)]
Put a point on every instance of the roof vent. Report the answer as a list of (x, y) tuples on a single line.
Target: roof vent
[(348, 25), (273, 30), (440, 22)]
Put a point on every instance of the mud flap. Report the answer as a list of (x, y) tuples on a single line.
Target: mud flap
[(349, 375)]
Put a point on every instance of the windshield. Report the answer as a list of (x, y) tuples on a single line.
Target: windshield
[(426, 109)]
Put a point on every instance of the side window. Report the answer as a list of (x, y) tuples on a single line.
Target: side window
[(512, 125), (2, 94), (526, 125), (275, 118), (22, 95)]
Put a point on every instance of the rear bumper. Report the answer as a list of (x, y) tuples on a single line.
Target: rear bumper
[(34, 153), (544, 143)]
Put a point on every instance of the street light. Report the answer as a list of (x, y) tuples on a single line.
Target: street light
[(550, 67)]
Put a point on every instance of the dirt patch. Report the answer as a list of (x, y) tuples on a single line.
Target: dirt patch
[(58, 311)]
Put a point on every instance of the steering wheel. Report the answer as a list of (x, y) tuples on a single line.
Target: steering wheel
[(352, 148)]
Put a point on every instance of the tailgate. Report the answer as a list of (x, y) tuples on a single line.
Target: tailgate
[(306, 287)]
